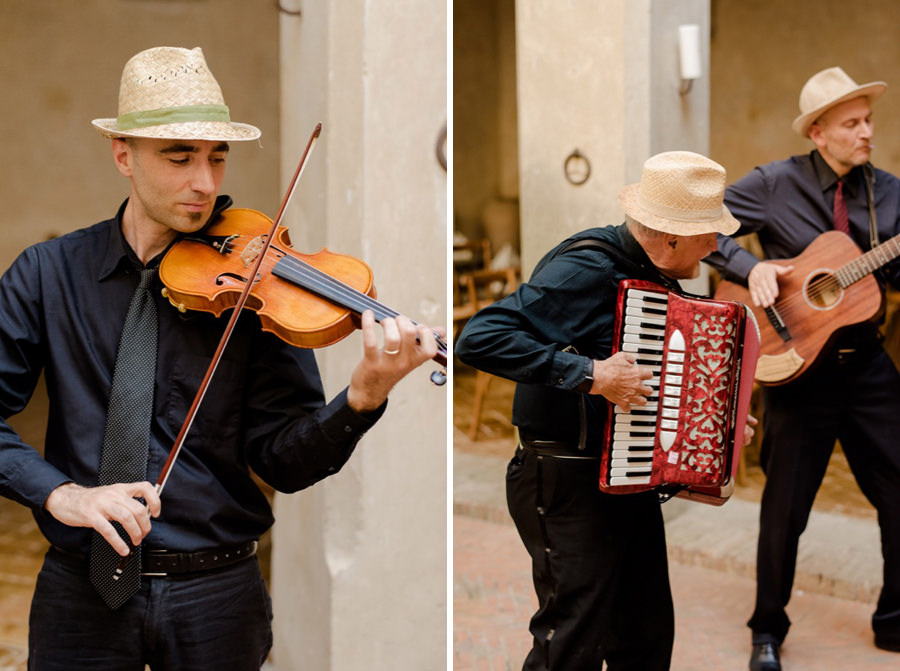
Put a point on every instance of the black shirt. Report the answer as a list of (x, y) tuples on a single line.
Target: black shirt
[(62, 307), (568, 303), (789, 203)]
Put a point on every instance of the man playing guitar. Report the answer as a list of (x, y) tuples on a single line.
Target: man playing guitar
[(852, 393)]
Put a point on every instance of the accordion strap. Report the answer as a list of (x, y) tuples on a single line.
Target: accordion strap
[(633, 269)]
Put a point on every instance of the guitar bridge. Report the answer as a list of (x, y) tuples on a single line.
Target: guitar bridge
[(778, 323)]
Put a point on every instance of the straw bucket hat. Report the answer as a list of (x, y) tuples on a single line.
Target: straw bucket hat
[(826, 89), (680, 192), (169, 93)]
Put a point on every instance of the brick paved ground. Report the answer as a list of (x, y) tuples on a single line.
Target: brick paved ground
[(492, 601)]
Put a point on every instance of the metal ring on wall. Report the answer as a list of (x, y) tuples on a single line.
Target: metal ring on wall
[(441, 148), (577, 168), (289, 12)]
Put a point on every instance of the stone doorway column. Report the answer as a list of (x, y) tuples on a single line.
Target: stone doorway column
[(359, 561), (598, 85)]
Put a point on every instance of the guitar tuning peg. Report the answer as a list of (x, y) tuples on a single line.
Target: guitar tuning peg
[(439, 377)]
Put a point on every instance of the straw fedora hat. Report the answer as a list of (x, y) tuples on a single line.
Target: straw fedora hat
[(680, 192), (826, 89), (169, 93)]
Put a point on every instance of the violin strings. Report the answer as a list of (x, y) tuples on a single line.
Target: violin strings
[(324, 284), (333, 289), (330, 287)]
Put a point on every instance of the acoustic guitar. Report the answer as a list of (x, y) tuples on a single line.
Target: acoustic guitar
[(830, 288)]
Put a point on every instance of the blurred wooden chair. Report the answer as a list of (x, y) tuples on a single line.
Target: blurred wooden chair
[(478, 289), (469, 256)]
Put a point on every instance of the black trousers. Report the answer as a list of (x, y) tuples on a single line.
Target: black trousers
[(856, 401), (205, 621), (599, 566)]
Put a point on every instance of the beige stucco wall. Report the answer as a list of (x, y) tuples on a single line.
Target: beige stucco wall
[(477, 110), (60, 64), (360, 562), (763, 53), (600, 78)]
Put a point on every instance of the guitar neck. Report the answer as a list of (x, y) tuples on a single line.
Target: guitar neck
[(868, 263)]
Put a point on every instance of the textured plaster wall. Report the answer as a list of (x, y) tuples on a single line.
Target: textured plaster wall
[(763, 53), (60, 65), (600, 78), (360, 561)]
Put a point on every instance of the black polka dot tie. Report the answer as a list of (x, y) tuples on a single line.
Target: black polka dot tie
[(127, 436)]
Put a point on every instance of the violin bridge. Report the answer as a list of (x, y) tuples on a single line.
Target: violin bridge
[(252, 250)]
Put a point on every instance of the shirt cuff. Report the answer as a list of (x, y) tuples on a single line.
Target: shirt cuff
[(569, 370), (742, 263), (339, 421), (38, 481)]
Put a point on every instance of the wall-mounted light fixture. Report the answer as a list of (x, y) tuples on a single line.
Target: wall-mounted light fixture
[(689, 56)]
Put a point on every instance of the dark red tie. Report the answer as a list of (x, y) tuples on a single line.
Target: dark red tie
[(841, 219)]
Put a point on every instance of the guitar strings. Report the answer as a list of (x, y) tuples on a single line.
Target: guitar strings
[(842, 278)]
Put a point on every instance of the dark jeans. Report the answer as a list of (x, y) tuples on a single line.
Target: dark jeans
[(216, 620), (858, 403), (599, 567)]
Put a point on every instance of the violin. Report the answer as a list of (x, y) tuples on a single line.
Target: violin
[(307, 300)]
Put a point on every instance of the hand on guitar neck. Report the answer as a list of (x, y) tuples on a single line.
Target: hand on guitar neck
[(762, 282)]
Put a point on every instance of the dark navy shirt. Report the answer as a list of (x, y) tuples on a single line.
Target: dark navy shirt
[(545, 334), (789, 203), (62, 307)]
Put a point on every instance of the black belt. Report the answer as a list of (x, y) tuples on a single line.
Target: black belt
[(163, 562), (158, 563), (554, 448)]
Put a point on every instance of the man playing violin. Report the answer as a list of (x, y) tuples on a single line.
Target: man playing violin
[(200, 601)]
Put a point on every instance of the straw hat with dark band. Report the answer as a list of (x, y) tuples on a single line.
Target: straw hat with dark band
[(826, 89), (680, 192), (169, 93)]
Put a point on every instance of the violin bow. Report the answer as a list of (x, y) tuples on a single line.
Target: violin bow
[(226, 336), (229, 328)]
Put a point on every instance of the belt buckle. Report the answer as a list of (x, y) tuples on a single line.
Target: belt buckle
[(155, 574)]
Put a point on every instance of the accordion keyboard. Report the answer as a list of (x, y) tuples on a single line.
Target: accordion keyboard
[(634, 432)]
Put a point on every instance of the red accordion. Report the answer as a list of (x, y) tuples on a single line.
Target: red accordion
[(688, 437)]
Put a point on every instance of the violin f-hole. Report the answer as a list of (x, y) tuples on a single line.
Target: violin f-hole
[(221, 278)]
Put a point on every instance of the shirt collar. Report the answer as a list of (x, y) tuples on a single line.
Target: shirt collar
[(119, 252), (828, 178), (631, 247)]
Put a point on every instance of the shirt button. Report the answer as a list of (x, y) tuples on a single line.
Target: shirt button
[(347, 429), (560, 382)]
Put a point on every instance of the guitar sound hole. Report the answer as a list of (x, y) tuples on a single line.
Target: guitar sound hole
[(823, 291)]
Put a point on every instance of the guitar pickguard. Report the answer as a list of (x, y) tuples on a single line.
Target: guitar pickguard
[(779, 367)]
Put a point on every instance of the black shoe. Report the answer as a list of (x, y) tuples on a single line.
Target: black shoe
[(889, 644), (765, 657)]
